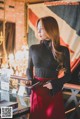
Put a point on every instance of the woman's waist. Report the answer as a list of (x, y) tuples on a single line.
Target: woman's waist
[(45, 73)]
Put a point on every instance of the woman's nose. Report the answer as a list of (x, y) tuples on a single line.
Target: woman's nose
[(39, 30)]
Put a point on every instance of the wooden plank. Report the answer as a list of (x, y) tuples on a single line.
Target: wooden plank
[(71, 86), (18, 77)]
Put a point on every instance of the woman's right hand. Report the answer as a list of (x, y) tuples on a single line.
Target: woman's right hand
[(28, 82)]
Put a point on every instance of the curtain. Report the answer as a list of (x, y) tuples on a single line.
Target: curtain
[(10, 37), (68, 17), (1, 46)]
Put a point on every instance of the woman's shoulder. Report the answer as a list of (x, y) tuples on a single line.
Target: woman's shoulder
[(34, 47)]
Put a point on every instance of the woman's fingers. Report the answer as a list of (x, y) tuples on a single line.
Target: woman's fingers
[(28, 82), (48, 85), (61, 73)]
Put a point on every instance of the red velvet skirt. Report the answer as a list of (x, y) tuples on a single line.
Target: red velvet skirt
[(45, 106)]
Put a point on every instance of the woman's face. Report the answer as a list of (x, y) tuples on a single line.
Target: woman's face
[(41, 31)]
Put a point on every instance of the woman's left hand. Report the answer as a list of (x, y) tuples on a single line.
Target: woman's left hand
[(48, 85), (61, 73)]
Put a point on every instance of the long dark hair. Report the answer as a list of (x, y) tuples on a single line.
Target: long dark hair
[(51, 27)]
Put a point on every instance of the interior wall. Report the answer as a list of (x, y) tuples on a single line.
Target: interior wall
[(14, 12)]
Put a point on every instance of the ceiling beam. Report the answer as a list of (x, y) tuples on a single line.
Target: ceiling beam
[(30, 1)]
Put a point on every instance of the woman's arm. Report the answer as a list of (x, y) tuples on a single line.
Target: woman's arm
[(57, 84), (29, 71)]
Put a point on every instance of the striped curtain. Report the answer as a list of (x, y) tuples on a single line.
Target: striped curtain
[(68, 17)]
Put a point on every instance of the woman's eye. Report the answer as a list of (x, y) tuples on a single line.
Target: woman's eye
[(41, 29)]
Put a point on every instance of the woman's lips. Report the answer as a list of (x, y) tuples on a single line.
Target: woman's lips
[(40, 36)]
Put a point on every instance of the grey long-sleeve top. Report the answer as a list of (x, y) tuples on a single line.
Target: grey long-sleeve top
[(42, 60)]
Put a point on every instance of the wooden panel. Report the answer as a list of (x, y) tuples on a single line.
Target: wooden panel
[(30, 1)]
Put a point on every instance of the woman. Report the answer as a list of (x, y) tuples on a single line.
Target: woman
[(48, 59)]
